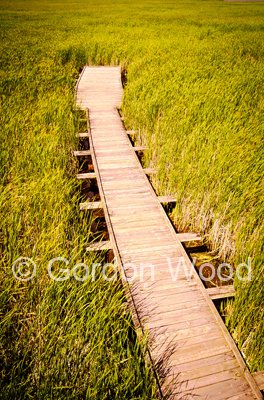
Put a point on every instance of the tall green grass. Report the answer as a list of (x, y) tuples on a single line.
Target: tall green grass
[(66, 339), (195, 92)]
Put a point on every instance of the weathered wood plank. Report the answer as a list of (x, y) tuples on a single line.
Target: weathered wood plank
[(86, 175), (99, 246), (187, 354), (167, 199), (223, 390), (189, 237), (82, 134), (82, 153), (91, 205), (259, 378), (221, 292), (216, 378), (166, 322)]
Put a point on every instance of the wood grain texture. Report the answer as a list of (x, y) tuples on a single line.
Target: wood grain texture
[(99, 246), (88, 175), (221, 292), (91, 205), (185, 328), (189, 237), (167, 199), (82, 134), (259, 378), (82, 153)]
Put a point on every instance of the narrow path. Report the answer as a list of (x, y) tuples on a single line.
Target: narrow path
[(184, 325)]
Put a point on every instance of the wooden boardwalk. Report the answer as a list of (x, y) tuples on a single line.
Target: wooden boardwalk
[(185, 328)]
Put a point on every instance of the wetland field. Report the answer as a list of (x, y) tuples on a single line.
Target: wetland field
[(194, 89)]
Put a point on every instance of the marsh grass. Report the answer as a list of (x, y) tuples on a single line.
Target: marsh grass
[(65, 339), (194, 93)]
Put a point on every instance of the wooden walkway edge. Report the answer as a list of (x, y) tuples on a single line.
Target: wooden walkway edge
[(202, 360)]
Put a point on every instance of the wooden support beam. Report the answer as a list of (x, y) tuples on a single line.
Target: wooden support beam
[(131, 132), (82, 134), (150, 171), (99, 246), (91, 205), (188, 237), (140, 148), (221, 292), (259, 378), (167, 199), (87, 175), (82, 153)]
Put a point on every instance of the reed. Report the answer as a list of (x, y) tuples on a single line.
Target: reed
[(194, 91)]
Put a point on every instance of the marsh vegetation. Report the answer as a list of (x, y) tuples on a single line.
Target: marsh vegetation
[(194, 90)]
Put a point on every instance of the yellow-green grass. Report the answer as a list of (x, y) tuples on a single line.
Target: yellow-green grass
[(66, 339), (194, 89)]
